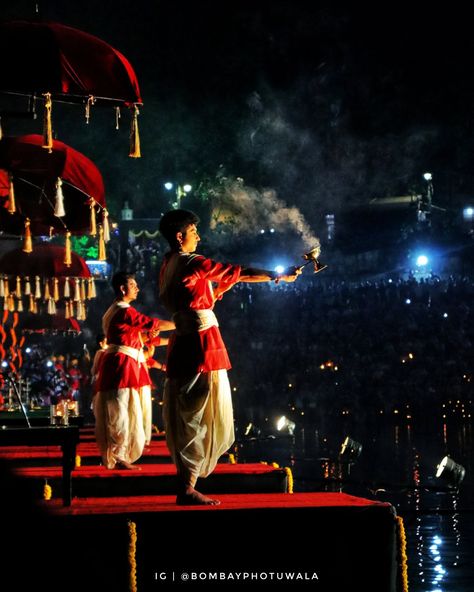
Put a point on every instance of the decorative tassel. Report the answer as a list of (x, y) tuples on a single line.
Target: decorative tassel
[(91, 293), (83, 290), (31, 307), (135, 151), (20, 305), (102, 256), (66, 310), (59, 210), (2, 290), (77, 292), (67, 252), (35, 307), (37, 287), (93, 224), (118, 115), (18, 287), (67, 289), (11, 195), (6, 287), (51, 307), (47, 295), (56, 289), (27, 291), (5, 308), (106, 225), (28, 242), (47, 125), (11, 303)]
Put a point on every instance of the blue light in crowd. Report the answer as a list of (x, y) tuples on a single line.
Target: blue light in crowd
[(168, 186), (279, 269), (4, 364), (272, 230), (262, 231), (445, 315), (408, 301), (422, 260), (28, 350), (49, 363), (468, 213)]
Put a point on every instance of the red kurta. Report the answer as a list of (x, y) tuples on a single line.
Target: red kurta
[(186, 283), (117, 370)]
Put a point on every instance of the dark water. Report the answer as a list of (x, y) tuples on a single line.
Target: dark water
[(397, 464)]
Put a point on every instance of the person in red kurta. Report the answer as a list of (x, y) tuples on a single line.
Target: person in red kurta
[(118, 412), (197, 409)]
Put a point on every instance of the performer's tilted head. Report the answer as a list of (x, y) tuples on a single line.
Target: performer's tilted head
[(176, 221)]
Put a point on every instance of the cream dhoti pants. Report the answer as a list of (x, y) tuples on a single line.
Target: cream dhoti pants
[(199, 422)]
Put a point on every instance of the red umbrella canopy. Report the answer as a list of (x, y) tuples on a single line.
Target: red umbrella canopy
[(37, 58), (45, 261), (34, 173)]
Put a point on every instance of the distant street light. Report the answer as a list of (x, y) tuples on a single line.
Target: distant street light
[(181, 191)]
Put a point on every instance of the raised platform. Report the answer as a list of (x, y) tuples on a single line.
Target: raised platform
[(323, 541)]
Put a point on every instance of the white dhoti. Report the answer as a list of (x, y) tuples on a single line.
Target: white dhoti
[(119, 430), (199, 422), (145, 398)]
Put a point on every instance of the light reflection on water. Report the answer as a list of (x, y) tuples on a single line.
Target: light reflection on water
[(397, 465)]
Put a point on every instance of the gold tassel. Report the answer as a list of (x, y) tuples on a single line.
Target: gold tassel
[(35, 307), (2, 290), (102, 256), (77, 293), (91, 292), (135, 151), (93, 224), (6, 287), (56, 289), (28, 242), (83, 290), (67, 252), (18, 287), (47, 126), (11, 195), (11, 303), (31, 307), (20, 305), (47, 295), (59, 210), (105, 223), (67, 312), (37, 287), (67, 288), (27, 291)]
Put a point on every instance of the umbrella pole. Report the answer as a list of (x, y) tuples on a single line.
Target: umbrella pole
[(11, 382)]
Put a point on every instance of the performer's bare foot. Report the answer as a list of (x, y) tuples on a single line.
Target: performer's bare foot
[(122, 464), (191, 497)]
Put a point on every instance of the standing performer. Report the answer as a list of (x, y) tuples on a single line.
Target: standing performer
[(118, 412), (197, 411)]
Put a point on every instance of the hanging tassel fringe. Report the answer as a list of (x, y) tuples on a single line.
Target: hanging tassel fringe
[(67, 252), (37, 287), (106, 225), (91, 292), (93, 224), (18, 287), (11, 195), (102, 256), (135, 151), (56, 289), (28, 242), (67, 289), (27, 291), (47, 125), (59, 210), (77, 292)]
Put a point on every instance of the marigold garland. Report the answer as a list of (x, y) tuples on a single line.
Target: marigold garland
[(289, 476), (402, 554), (232, 460), (77, 461), (47, 492), (132, 551)]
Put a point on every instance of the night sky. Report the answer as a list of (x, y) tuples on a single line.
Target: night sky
[(328, 106)]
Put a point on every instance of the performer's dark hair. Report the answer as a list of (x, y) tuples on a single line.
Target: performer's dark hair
[(176, 221), (120, 279)]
